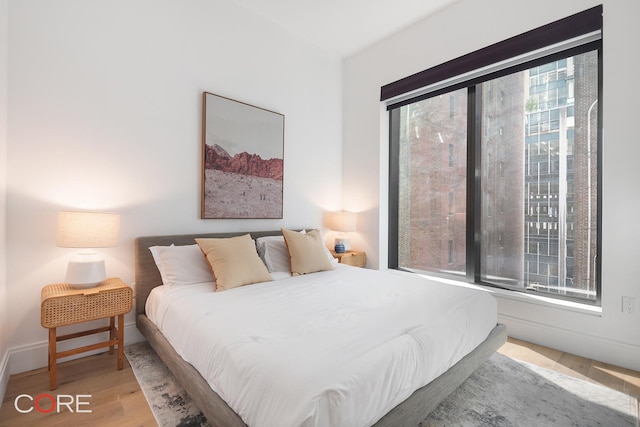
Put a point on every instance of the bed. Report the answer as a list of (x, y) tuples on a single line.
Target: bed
[(364, 376)]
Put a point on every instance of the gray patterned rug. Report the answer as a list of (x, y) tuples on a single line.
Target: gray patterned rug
[(502, 392)]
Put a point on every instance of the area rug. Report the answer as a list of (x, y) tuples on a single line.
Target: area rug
[(502, 392), (170, 404)]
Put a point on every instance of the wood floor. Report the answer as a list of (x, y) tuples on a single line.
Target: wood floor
[(116, 399)]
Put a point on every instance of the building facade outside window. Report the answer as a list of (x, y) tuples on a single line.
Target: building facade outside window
[(497, 181)]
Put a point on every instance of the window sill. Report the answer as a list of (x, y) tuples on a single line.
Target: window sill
[(559, 304), (525, 297)]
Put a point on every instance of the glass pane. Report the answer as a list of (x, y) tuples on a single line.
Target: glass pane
[(543, 201), (432, 184)]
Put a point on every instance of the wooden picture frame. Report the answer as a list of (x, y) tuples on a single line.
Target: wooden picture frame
[(243, 160)]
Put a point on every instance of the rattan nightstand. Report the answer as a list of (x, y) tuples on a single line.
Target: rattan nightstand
[(355, 258), (64, 305)]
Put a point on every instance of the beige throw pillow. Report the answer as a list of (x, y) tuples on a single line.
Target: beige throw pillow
[(234, 261), (306, 252)]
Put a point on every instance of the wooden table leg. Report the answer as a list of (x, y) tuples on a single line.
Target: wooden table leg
[(112, 335), (52, 358), (120, 341)]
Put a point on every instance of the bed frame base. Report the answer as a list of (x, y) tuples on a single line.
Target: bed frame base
[(423, 401), (218, 413), (410, 412)]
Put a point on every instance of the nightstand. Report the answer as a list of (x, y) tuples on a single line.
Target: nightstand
[(63, 305), (354, 258)]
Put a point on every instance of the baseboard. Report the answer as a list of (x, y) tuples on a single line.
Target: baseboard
[(33, 356), (4, 374), (581, 344)]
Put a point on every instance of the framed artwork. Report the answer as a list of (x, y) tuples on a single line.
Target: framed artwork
[(243, 160)]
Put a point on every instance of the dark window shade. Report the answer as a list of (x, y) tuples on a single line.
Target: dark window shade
[(474, 80), (564, 29)]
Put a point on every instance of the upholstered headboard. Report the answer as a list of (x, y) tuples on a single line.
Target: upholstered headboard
[(147, 275)]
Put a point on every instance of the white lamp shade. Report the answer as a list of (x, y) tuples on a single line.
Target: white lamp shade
[(87, 230), (343, 221)]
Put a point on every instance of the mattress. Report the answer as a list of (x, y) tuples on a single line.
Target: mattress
[(334, 348)]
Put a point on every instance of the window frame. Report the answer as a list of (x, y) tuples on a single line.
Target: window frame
[(395, 100)]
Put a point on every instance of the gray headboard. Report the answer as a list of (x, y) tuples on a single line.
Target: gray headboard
[(147, 275)]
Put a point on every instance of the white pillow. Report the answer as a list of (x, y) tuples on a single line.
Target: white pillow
[(331, 257), (181, 265), (273, 252), (155, 252)]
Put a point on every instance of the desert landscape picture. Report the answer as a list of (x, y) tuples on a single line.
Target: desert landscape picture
[(243, 186), (243, 164)]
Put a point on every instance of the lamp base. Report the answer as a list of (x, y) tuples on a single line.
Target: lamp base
[(85, 270), (344, 242)]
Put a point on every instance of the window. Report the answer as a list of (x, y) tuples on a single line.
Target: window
[(519, 205), (427, 159)]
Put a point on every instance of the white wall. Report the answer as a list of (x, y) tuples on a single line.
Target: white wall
[(467, 26), (4, 333), (104, 112)]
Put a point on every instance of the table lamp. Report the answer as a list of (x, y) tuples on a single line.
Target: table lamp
[(87, 230), (343, 222)]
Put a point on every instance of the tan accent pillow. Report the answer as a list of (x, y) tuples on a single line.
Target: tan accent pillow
[(234, 261), (306, 252)]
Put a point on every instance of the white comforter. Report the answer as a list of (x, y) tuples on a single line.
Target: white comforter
[(336, 348)]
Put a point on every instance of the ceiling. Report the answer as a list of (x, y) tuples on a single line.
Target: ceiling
[(344, 27)]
